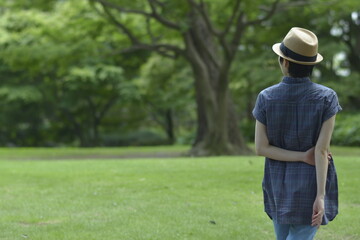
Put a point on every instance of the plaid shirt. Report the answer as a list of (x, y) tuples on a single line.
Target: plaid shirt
[(293, 112)]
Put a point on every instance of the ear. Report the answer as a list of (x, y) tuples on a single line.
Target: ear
[(286, 63)]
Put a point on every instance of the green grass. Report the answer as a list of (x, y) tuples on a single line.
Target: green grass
[(75, 153), (170, 198)]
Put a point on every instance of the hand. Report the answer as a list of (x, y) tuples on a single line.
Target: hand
[(318, 212), (329, 156), (310, 156)]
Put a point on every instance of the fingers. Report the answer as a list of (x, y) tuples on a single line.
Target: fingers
[(329, 157), (316, 219), (318, 212)]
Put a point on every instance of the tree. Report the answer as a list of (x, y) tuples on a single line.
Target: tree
[(346, 32), (337, 26), (86, 96), (55, 53), (63, 73), (208, 42), (20, 106), (165, 88)]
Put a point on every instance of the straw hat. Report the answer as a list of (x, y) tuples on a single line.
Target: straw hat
[(299, 46)]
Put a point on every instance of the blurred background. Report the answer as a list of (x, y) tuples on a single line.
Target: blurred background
[(71, 74)]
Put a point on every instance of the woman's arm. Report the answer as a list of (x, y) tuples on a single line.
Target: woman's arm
[(263, 148), (321, 152)]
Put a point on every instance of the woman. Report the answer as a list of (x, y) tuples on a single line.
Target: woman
[(294, 124)]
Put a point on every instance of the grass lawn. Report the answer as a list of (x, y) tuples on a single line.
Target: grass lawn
[(91, 153), (166, 199)]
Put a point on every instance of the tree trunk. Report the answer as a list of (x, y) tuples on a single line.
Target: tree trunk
[(170, 126), (218, 132)]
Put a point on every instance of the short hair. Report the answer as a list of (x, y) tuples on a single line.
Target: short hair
[(299, 70)]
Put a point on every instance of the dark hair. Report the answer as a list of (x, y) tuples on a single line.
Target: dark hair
[(299, 70)]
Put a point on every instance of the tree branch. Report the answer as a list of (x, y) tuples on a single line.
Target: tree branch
[(161, 4), (267, 16), (162, 49), (226, 46), (153, 14), (111, 101), (201, 9), (159, 18), (202, 46), (199, 69), (126, 30), (240, 27), (206, 21), (236, 11), (148, 29), (301, 3), (92, 107), (122, 9)]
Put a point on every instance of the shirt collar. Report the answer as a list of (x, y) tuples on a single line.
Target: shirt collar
[(292, 80)]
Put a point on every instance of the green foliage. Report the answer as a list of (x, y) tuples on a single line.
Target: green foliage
[(67, 59), (135, 138), (347, 131), (256, 65), (166, 87), (168, 83), (66, 81), (44, 5), (23, 93)]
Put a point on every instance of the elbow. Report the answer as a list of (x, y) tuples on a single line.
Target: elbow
[(259, 150), (321, 150)]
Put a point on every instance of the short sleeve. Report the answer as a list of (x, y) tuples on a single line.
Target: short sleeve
[(332, 106), (259, 111)]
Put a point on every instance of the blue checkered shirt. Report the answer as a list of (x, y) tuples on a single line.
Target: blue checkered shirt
[(293, 112)]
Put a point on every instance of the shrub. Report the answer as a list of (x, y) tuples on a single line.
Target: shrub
[(137, 138), (347, 130)]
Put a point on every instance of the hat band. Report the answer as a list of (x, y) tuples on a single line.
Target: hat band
[(293, 55)]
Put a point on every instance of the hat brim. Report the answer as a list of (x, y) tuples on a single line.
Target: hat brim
[(276, 49)]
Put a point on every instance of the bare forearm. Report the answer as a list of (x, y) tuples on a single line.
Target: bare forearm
[(264, 148), (321, 163), (321, 152), (280, 154)]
